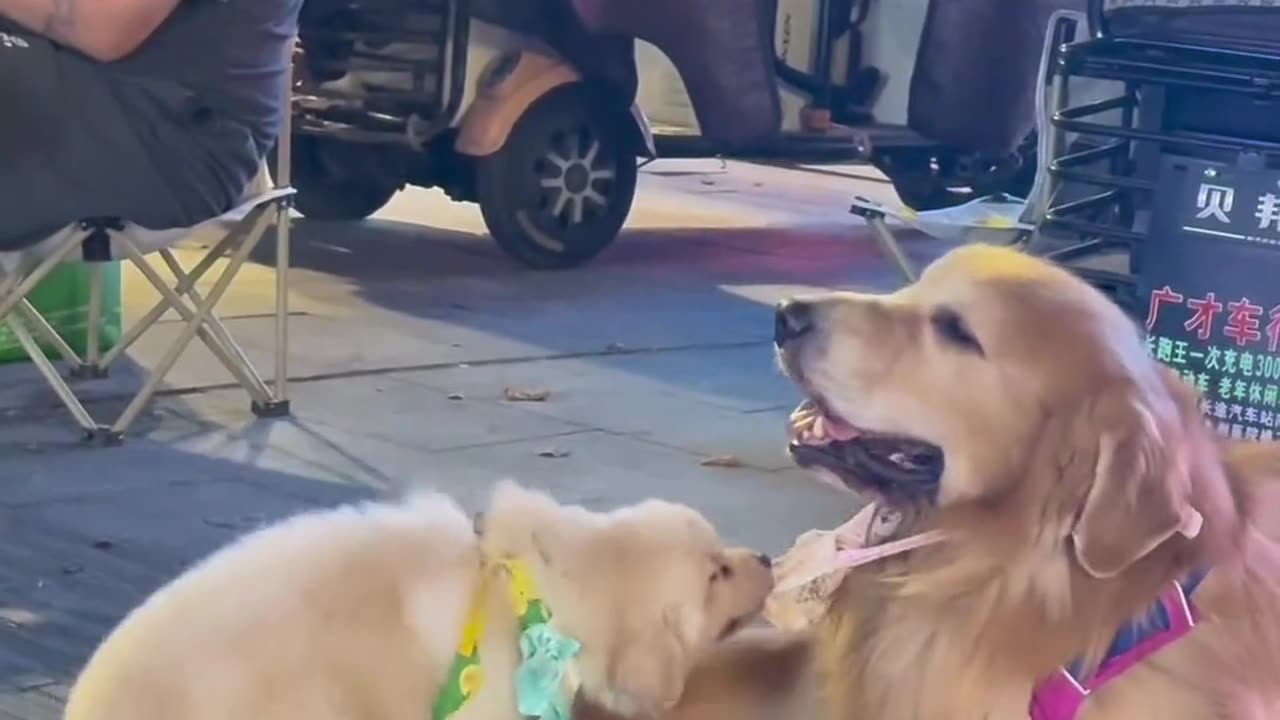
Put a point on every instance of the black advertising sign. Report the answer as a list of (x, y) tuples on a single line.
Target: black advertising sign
[(1211, 277)]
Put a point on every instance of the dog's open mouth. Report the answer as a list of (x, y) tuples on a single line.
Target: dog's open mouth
[(894, 467)]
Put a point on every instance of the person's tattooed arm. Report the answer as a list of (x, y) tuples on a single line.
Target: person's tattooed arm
[(105, 30)]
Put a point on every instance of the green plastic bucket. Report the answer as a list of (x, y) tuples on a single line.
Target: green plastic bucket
[(63, 299)]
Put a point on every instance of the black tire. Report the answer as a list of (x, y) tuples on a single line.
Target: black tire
[(921, 190), (549, 226), (331, 183)]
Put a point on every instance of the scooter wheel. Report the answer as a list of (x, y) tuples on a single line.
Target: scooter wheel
[(558, 191)]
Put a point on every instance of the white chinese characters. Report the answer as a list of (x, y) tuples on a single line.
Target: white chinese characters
[(1215, 201)]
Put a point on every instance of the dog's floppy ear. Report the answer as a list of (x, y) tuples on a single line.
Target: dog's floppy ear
[(650, 664), (1138, 495)]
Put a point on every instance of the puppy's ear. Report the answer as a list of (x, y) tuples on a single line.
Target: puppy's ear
[(650, 664), (1137, 498), (524, 522)]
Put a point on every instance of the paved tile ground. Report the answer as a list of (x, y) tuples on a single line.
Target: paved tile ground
[(406, 331)]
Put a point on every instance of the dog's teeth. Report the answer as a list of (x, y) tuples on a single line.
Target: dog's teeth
[(820, 428)]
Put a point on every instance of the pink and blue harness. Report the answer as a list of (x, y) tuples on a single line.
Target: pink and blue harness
[(1061, 696)]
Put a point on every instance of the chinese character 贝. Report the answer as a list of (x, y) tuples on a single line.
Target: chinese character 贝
[(1215, 201)]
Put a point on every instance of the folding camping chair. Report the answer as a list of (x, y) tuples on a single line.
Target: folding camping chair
[(996, 219), (96, 241)]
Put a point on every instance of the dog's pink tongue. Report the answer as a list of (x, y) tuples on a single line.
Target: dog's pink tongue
[(838, 429)]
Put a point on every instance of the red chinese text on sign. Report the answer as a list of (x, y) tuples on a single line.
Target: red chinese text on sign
[(1244, 320), (1159, 297), (1202, 318)]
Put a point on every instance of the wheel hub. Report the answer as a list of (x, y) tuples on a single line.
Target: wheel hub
[(577, 178), (576, 171)]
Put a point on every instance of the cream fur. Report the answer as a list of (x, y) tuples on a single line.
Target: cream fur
[(356, 612), (1072, 460)]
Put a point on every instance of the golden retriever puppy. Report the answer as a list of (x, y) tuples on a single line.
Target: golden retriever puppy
[(1090, 515), (359, 612)]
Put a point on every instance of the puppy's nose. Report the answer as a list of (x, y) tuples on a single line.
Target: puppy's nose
[(764, 560), (793, 319)]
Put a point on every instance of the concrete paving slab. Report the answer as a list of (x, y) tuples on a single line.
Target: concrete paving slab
[(629, 404), (602, 470), (739, 376)]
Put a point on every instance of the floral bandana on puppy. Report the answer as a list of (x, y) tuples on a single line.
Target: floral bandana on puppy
[(545, 654)]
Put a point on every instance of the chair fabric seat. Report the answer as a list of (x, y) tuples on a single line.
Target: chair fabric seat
[(146, 240)]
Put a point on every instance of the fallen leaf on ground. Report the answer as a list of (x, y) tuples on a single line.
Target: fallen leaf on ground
[(723, 461), (553, 453), (519, 395)]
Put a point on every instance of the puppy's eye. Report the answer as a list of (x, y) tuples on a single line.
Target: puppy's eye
[(723, 572), (953, 329)]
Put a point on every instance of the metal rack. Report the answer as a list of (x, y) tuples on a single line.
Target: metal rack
[(1112, 169), (380, 70)]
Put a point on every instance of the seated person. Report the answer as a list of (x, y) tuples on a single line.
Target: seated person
[(155, 111)]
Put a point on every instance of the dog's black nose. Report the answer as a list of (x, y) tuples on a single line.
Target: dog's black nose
[(793, 319), (764, 560)]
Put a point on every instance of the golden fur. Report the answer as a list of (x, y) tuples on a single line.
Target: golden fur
[(355, 613), (1072, 462)]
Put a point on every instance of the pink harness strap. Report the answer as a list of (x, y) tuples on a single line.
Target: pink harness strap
[(1061, 696)]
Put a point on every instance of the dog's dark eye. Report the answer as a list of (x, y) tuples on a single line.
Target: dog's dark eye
[(723, 572), (948, 324)]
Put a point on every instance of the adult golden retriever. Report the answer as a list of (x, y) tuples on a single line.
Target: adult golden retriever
[(357, 613), (1015, 408)]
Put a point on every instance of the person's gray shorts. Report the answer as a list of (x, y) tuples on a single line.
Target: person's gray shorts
[(79, 141)]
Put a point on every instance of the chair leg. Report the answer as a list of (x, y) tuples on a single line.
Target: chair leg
[(279, 406), (36, 320), (889, 244), (260, 220), (93, 367), (55, 381), (212, 332), (183, 285), (12, 296)]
